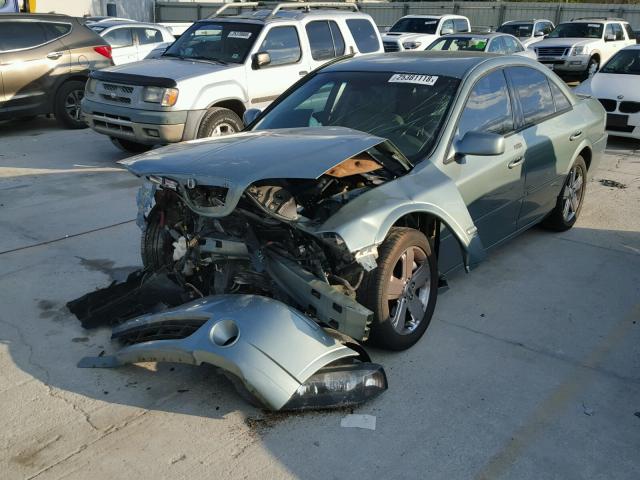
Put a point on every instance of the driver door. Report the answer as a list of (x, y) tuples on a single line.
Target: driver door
[(289, 62), (491, 186)]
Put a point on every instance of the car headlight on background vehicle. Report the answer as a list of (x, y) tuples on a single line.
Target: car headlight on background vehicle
[(411, 45), (580, 50), (167, 97), (91, 85)]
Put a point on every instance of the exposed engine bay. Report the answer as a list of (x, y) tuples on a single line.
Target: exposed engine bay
[(228, 270)]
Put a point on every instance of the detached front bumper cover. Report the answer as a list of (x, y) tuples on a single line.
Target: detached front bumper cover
[(281, 357)]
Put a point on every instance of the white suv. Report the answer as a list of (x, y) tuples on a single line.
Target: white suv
[(415, 31), (219, 68), (582, 45)]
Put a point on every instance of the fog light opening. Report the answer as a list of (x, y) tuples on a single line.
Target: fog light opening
[(225, 333)]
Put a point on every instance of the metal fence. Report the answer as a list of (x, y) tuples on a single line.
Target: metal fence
[(485, 14)]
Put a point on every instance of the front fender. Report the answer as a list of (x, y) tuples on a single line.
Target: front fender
[(366, 220)]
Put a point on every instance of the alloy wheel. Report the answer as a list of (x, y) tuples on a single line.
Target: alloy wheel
[(572, 194), (72, 104), (408, 291), (222, 129)]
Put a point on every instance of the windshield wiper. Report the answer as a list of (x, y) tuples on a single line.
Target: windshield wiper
[(207, 59)]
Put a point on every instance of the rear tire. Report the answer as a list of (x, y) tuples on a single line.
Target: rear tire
[(218, 122), (67, 104), (569, 202), (129, 146), (399, 279)]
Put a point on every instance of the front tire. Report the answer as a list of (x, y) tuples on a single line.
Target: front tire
[(402, 291), (218, 122), (569, 202), (592, 67), (67, 104), (129, 146)]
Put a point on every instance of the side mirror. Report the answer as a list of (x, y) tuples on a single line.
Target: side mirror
[(539, 33), (446, 31), (480, 143), (610, 37), (250, 115), (260, 59)]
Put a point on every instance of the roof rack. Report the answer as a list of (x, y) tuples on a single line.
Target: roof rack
[(307, 6), (233, 5), (600, 18)]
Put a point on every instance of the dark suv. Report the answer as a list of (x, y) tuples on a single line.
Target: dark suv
[(44, 63)]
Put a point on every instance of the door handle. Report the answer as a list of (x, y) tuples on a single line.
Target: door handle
[(55, 55), (576, 135), (516, 162), (302, 73)]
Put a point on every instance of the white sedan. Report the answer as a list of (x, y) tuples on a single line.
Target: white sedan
[(130, 40), (617, 86), (493, 42)]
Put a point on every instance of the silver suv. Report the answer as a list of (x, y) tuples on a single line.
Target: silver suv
[(220, 67)]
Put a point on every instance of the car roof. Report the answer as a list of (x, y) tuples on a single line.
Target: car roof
[(531, 20), (35, 16), (476, 35), (122, 23), (632, 47), (595, 19), (446, 64), (448, 15)]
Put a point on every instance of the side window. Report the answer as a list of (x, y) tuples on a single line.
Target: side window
[(460, 25), (120, 37), (512, 45), (548, 28), (609, 30), (364, 35), (497, 46), (338, 40), (320, 40), (617, 31), (55, 30), (447, 25), (147, 36), (630, 33), (539, 27), (532, 89), (19, 35), (488, 108), (560, 99), (283, 46)]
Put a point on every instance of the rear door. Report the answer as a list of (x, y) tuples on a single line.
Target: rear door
[(547, 123), (123, 45), (32, 58), (289, 63), (491, 186)]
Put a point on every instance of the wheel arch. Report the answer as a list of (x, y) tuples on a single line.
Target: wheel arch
[(81, 77)]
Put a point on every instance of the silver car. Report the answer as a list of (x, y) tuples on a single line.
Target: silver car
[(348, 200)]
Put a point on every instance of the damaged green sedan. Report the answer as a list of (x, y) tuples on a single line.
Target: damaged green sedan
[(333, 218)]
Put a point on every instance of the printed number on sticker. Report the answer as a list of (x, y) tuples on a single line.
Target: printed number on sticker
[(244, 35), (428, 80)]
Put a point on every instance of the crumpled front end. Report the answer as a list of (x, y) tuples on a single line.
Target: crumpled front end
[(282, 358)]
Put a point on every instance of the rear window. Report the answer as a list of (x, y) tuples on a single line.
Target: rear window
[(560, 99), (532, 88), (19, 35), (364, 35), (56, 30)]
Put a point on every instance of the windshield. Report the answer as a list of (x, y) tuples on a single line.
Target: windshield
[(415, 25), (224, 42), (626, 62), (468, 44), (520, 30), (409, 109), (577, 30)]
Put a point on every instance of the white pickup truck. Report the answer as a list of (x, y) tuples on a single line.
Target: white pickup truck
[(218, 69), (414, 31), (580, 46)]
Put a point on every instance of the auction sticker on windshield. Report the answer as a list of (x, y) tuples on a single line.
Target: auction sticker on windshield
[(428, 80), (243, 35)]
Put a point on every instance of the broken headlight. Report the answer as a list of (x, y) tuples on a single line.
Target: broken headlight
[(339, 386)]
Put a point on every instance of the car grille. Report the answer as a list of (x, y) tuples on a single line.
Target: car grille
[(609, 105), (103, 120), (630, 107), (114, 93), (391, 46), (551, 51)]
